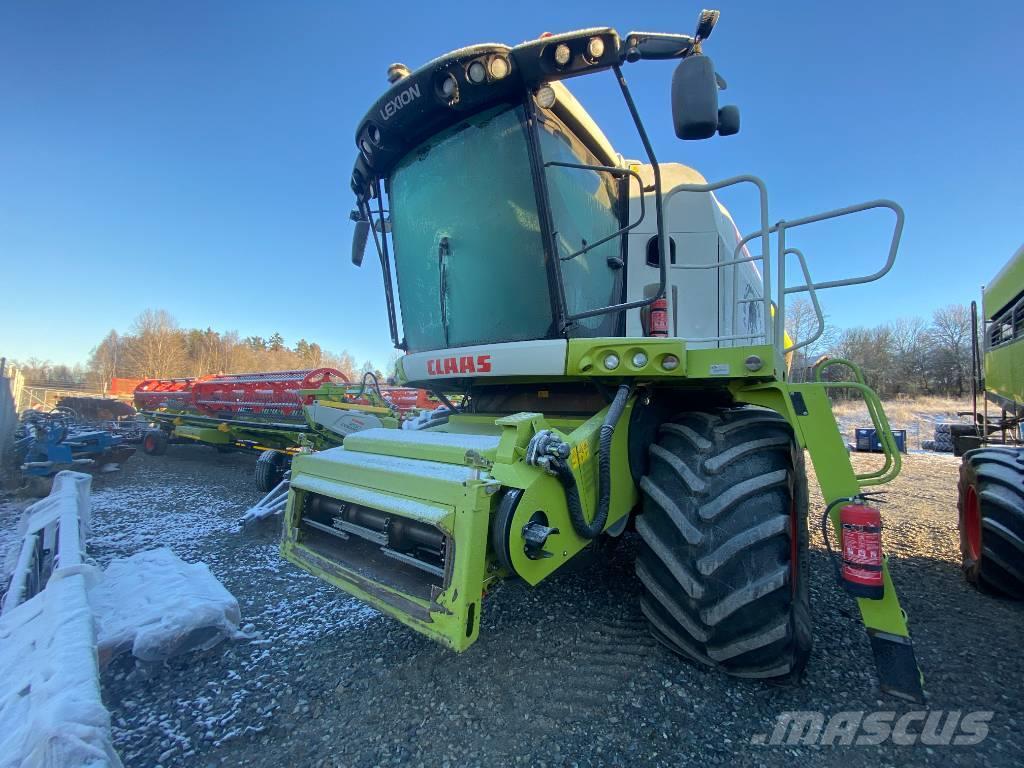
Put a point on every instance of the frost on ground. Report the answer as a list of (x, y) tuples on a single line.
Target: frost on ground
[(51, 714), (158, 606), (564, 673), (173, 713)]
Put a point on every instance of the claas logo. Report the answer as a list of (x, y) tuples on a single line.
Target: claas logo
[(441, 366)]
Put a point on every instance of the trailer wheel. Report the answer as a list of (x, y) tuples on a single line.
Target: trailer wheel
[(723, 559), (270, 469), (991, 519), (154, 442)]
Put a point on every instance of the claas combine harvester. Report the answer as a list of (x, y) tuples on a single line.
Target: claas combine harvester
[(622, 353), (275, 414)]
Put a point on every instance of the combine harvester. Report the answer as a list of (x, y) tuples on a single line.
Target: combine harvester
[(991, 489), (273, 414), (623, 361)]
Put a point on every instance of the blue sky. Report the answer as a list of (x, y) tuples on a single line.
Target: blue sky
[(194, 156)]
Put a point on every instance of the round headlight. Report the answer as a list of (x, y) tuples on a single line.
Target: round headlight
[(545, 97), (611, 361), (670, 362), (374, 133), (476, 72), (595, 47), (639, 360), (365, 146), (448, 86), (562, 54), (499, 67)]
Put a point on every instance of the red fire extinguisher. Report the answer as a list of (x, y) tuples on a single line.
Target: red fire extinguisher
[(658, 324), (860, 569)]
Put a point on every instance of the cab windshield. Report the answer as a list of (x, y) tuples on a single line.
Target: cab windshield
[(471, 262)]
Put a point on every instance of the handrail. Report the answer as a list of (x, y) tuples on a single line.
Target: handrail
[(893, 461), (814, 303), (764, 232), (611, 170), (775, 324)]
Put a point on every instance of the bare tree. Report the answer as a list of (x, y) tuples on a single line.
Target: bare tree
[(801, 326), (156, 349), (910, 351), (951, 346), (106, 360)]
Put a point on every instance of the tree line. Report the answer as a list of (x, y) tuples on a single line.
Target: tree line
[(911, 356), (155, 347)]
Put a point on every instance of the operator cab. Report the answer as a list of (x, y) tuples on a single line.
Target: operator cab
[(503, 214)]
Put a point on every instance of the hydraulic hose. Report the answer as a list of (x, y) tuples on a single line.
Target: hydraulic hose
[(604, 472)]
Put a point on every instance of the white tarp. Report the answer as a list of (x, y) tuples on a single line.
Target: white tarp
[(51, 713), (157, 606)]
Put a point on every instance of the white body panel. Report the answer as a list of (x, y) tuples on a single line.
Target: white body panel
[(543, 357), (702, 303)]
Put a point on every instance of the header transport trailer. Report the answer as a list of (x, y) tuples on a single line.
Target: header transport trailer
[(274, 414), (621, 350), (991, 489)]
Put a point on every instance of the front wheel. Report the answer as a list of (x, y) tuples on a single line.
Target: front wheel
[(723, 563), (991, 519), (270, 468)]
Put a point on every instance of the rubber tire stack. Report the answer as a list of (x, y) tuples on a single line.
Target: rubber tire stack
[(943, 437), (270, 469), (724, 517), (996, 476)]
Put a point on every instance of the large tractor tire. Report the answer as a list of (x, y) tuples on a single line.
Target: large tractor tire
[(991, 507), (270, 469), (723, 560), (154, 442)]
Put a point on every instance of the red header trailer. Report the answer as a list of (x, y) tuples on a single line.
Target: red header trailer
[(261, 394), (151, 394), (228, 396)]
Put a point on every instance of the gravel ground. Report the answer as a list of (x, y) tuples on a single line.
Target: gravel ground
[(563, 674)]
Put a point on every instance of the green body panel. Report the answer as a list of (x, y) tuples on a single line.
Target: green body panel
[(1005, 287), (489, 450), (459, 507), (1004, 371), (1004, 364), (201, 429), (542, 492)]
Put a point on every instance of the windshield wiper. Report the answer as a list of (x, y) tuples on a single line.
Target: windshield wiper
[(443, 250)]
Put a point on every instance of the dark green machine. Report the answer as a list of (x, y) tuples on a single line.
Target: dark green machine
[(991, 489)]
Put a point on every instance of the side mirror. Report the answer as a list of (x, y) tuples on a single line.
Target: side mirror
[(695, 112), (359, 237), (695, 98), (729, 120)]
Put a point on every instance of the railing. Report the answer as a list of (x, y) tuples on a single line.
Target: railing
[(891, 467), (53, 539), (774, 312)]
